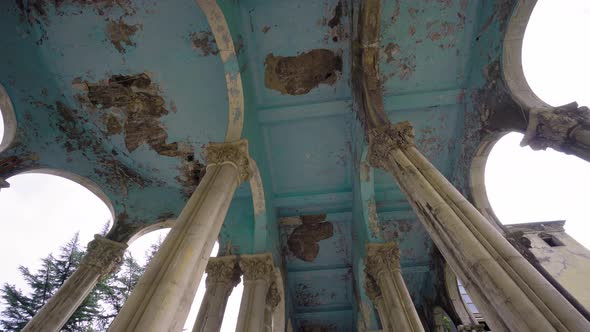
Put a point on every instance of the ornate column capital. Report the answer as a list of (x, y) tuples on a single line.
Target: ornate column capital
[(273, 297), (104, 254), (234, 153), (257, 267), (388, 137), (223, 269), (381, 257), (555, 127)]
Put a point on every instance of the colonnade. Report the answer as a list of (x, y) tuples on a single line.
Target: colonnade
[(510, 293), (260, 296)]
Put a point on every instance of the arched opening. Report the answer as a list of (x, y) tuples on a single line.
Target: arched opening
[(143, 248), (555, 51), (526, 186), (40, 213), (7, 120)]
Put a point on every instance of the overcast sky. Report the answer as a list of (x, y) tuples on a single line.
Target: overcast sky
[(39, 213)]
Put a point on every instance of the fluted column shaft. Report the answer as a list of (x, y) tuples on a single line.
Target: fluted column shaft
[(223, 275), (565, 129), (164, 294), (511, 294), (258, 273), (102, 257), (382, 266), (374, 293)]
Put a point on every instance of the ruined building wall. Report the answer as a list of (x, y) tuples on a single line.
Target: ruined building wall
[(563, 257)]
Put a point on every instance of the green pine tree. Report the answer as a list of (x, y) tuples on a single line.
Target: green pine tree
[(95, 313), (54, 271)]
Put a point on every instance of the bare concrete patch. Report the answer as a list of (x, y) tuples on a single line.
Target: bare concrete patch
[(297, 75), (120, 33), (205, 42), (303, 241)]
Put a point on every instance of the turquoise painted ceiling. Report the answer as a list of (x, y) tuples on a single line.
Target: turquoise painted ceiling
[(127, 93)]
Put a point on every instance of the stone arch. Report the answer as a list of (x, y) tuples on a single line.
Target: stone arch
[(259, 204), (8, 118), (477, 187), (83, 181), (168, 223), (512, 57), (233, 77), (458, 305)]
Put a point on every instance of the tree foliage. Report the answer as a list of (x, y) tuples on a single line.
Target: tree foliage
[(95, 313)]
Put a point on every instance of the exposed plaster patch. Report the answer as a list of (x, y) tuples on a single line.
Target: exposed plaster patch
[(390, 50), (77, 138), (265, 29), (120, 33), (297, 75), (337, 31), (396, 12), (133, 106), (205, 42), (14, 164), (191, 173), (365, 170), (35, 11), (305, 296), (303, 241)]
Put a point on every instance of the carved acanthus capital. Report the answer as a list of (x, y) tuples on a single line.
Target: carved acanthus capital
[(381, 257), (104, 254), (372, 289), (257, 267), (234, 153), (384, 139), (223, 269), (273, 297), (559, 128)]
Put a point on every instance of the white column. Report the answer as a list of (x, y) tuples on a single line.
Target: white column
[(375, 295), (565, 128), (382, 266), (223, 274), (258, 273), (164, 294), (510, 293), (102, 257)]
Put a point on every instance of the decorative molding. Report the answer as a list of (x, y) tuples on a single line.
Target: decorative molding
[(559, 128), (223, 269), (257, 267), (104, 254), (384, 139), (381, 257), (228, 55), (234, 153)]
